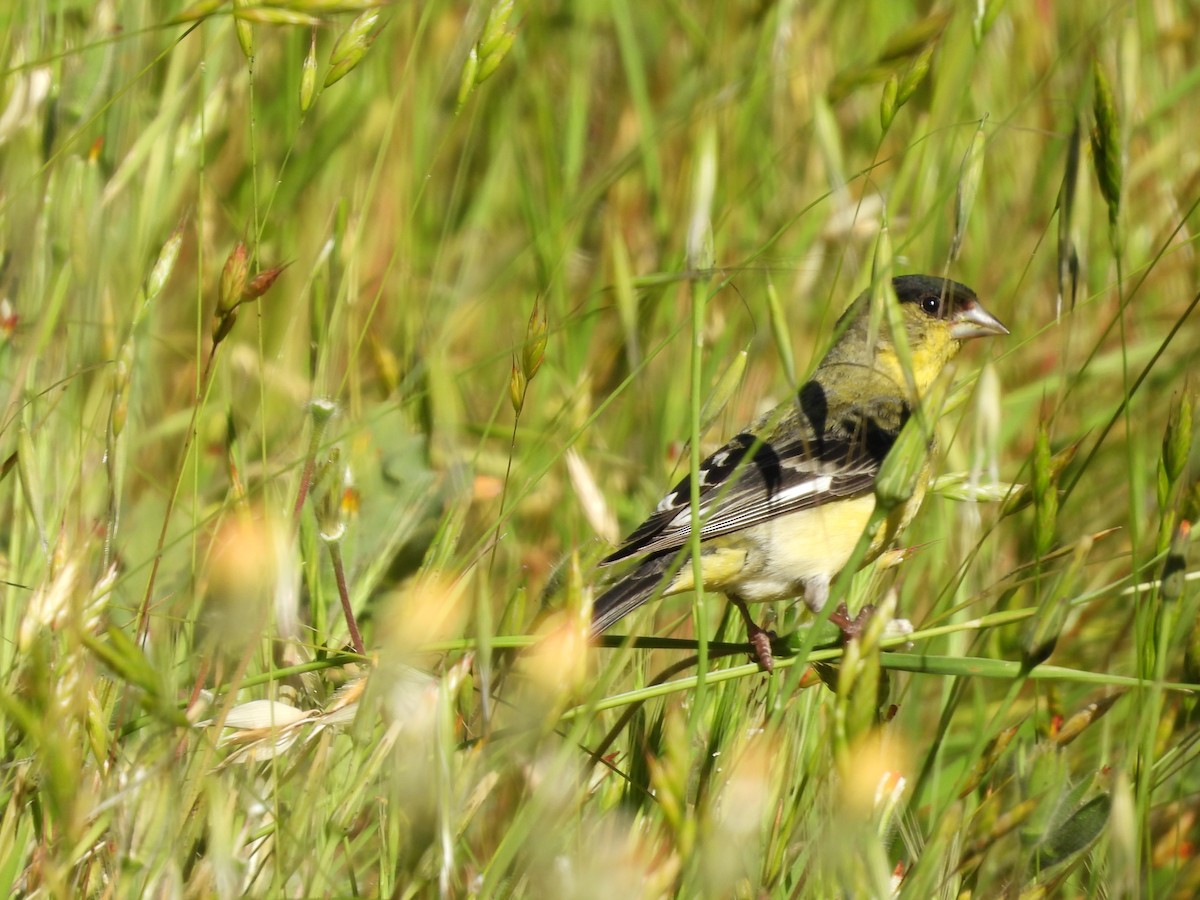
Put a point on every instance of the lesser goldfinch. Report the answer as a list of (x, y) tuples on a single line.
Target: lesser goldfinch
[(782, 505)]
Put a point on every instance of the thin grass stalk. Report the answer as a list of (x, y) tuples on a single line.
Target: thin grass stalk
[(699, 257)]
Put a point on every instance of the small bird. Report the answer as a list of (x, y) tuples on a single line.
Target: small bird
[(783, 504)]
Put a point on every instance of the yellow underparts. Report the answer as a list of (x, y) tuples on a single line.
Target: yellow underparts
[(774, 560)]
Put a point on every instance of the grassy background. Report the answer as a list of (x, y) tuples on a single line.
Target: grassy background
[(180, 717)]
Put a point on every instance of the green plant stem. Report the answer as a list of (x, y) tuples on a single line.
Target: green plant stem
[(700, 619), (143, 618), (339, 574)]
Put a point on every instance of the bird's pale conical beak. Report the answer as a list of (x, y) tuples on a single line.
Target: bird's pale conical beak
[(974, 321)]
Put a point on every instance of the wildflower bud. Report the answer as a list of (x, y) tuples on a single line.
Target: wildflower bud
[(1079, 721), (485, 56), (466, 81), (490, 62), (322, 410), (1106, 142), (534, 350), (491, 39), (887, 102), (351, 46), (241, 25), (516, 387), (261, 282), (165, 264), (495, 41), (308, 75), (233, 280), (914, 76)]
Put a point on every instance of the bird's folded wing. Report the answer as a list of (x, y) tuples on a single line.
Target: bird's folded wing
[(748, 481)]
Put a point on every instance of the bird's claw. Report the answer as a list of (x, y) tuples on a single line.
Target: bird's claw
[(851, 627), (854, 627)]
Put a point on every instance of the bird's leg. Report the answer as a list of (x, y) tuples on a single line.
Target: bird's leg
[(760, 638), (816, 593)]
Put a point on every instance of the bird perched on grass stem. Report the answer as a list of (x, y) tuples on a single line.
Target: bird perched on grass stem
[(783, 504)]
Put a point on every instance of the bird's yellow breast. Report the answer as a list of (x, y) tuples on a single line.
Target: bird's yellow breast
[(782, 555), (775, 560)]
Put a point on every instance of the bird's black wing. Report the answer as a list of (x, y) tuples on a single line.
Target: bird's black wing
[(749, 481)]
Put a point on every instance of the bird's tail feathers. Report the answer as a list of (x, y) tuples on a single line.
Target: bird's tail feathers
[(630, 592)]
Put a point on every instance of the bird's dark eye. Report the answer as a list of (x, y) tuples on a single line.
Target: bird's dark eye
[(931, 305)]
